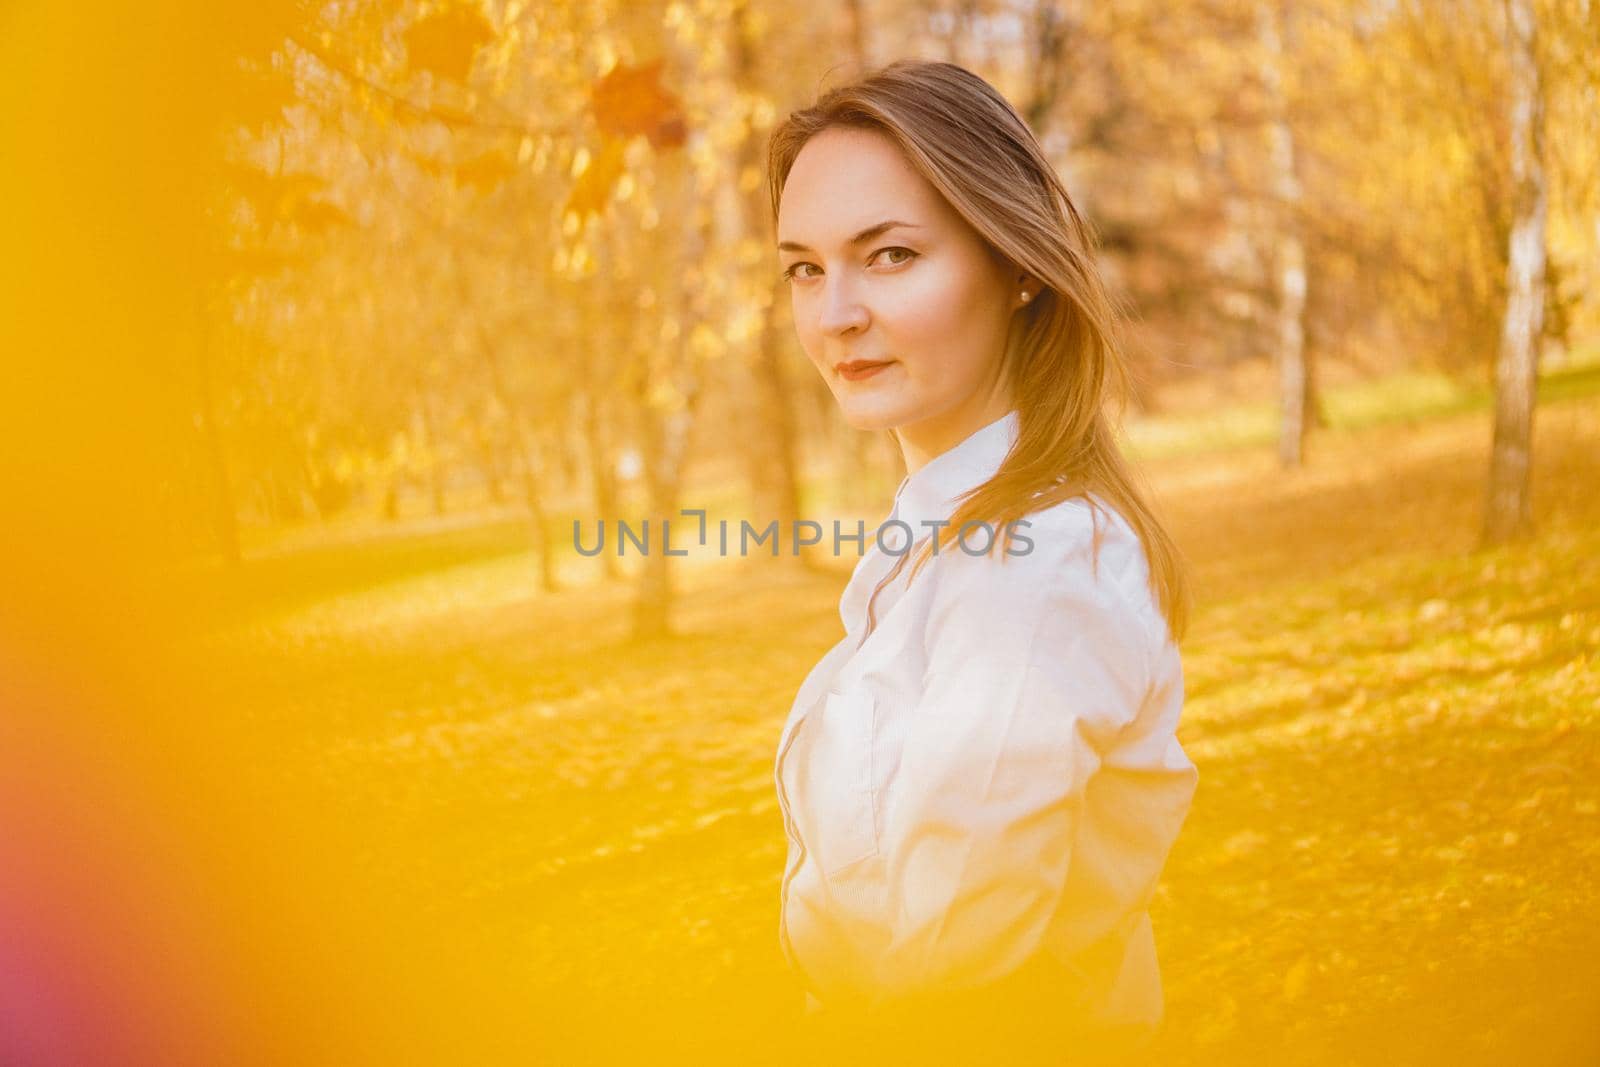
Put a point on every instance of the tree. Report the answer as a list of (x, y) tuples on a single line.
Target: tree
[(774, 463), (1288, 261), (1508, 514)]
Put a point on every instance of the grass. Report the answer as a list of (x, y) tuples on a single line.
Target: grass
[(1393, 849), (1397, 399)]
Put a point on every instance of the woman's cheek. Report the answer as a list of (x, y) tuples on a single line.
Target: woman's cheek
[(936, 320), (810, 336), (940, 301)]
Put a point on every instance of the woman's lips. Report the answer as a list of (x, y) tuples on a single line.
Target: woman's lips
[(857, 369)]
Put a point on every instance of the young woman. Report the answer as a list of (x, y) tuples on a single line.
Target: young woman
[(981, 782)]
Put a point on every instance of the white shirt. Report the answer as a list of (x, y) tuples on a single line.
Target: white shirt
[(988, 768)]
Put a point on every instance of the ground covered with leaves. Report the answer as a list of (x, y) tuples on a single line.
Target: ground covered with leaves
[(1394, 849)]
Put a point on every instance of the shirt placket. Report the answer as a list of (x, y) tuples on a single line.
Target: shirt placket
[(800, 850), (783, 792), (872, 601)]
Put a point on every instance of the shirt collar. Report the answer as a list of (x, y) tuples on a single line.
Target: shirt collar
[(932, 493)]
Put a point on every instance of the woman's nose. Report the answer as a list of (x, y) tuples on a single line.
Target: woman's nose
[(841, 311)]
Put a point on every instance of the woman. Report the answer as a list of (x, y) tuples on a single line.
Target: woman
[(981, 781)]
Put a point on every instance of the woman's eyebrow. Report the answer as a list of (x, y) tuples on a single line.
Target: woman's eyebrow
[(865, 235)]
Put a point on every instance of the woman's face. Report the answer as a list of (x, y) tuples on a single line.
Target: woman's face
[(884, 273)]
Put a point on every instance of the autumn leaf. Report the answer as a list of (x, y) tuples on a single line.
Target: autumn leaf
[(446, 42), (318, 216), (430, 166), (593, 188), (631, 100), (294, 197), (486, 172)]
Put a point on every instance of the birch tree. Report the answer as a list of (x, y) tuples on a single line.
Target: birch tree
[(1288, 256), (1508, 514)]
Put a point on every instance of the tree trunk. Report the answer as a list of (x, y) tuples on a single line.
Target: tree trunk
[(1289, 258), (602, 479), (666, 439), (961, 15), (528, 463), (1049, 60), (774, 473), (781, 476), (489, 461), (430, 446), (1316, 412), (665, 431), (856, 19), (1508, 514), (603, 332), (526, 452)]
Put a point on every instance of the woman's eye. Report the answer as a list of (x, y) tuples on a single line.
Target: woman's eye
[(797, 270)]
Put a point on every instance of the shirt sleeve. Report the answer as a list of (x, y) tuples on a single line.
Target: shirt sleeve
[(1035, 664)]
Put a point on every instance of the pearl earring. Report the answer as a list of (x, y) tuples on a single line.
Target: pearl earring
[(1026, 296)]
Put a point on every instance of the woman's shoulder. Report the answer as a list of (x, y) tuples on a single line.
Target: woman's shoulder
[(1078, 553), (1081, 544), (1079, 590)]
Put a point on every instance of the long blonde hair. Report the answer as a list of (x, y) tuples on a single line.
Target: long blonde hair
[(973, 146)]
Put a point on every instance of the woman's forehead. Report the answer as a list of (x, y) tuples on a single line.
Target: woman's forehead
[(844, 181)]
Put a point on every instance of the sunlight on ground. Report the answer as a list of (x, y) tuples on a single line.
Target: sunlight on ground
[(1396, 737)]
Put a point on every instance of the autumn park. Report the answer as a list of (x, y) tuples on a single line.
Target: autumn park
[(335, 331)]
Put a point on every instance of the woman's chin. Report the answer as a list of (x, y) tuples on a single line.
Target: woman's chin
[(870, 419), (862, 412)]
